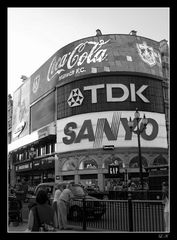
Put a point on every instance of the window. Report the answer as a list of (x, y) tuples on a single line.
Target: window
[(21, 157), (43, 150), (52, 147), (47, 148), (39, 151)]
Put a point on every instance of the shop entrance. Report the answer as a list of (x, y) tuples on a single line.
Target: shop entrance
[(89, 180), (113, 184)]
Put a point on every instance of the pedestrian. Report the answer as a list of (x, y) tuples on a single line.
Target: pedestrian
[(59, 189), (24, 187), (166, 202), (63, 203), (42, 213), (19, 193)]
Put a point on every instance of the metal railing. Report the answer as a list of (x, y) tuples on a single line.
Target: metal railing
[(117, 215), (136, 194)]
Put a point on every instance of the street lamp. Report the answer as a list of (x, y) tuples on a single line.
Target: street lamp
[(138, 132), (125, 174)]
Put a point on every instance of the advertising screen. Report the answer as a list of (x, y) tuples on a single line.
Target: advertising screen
[(43, 112), (110, 93), (106, 53), (95, 130), (20, 118)]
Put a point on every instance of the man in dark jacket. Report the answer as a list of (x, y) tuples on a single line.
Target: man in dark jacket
[(19, 193)]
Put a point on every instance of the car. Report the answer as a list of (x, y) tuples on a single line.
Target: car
[(97, 193), (94, 208)]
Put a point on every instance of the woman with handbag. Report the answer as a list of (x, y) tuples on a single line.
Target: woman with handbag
[(42, 217)]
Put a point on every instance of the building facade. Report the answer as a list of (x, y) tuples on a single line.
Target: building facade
[(75, 118), (9, 127)]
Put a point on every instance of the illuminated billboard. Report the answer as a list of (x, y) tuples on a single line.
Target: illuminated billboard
[(95, 130), (20, 118), (110, 93), (43, 112), (106, 53)]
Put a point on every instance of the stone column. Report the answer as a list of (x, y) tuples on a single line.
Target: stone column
[(100, 181), (58, 168), (76, 177)]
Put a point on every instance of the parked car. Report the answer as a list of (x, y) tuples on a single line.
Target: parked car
[(93, 206), (97, 193)]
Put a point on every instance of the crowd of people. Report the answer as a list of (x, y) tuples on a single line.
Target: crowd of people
[(130, 185), (54, 215)]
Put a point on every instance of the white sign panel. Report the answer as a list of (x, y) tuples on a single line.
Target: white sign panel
[(95, 130)]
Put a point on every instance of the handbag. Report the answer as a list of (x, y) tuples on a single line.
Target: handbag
[(43, 227)]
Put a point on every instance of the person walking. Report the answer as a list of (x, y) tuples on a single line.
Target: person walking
[(63, 203), (59, 189), (19, 193), (165, 201), (41, 213)]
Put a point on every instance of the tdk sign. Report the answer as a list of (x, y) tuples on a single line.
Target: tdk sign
[(76, 97)]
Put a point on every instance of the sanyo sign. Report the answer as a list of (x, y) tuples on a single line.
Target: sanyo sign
[(94, 130)]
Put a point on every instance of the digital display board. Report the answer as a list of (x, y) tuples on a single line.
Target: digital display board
[(95, 130), (43, 112), (110, 93), (106, 53), (20, 117)]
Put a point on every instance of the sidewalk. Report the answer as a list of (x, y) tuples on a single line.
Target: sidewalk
[(23, 226)]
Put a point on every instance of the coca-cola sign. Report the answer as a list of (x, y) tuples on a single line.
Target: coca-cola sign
[(92, 55), (86, 52)]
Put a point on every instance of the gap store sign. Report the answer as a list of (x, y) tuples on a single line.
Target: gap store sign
[(95, 130)]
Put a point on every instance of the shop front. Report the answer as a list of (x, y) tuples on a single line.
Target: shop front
[(43, 169), (89, 180), (24, 171), (36, 170)]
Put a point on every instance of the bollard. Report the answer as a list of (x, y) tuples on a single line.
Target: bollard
[(130, 212), (84, 214)]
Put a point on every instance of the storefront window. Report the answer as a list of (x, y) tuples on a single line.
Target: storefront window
[(37, 179), (90, 180), (113, 184)]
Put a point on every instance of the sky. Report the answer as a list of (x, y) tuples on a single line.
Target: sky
[(35, 34)]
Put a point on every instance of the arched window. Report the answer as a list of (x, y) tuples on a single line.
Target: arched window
[(88, 164), (112, 160), (69, 165), (134, 163), (160, 160)]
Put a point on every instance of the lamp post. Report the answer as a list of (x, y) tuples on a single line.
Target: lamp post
[(125, 174), (138, 132)]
